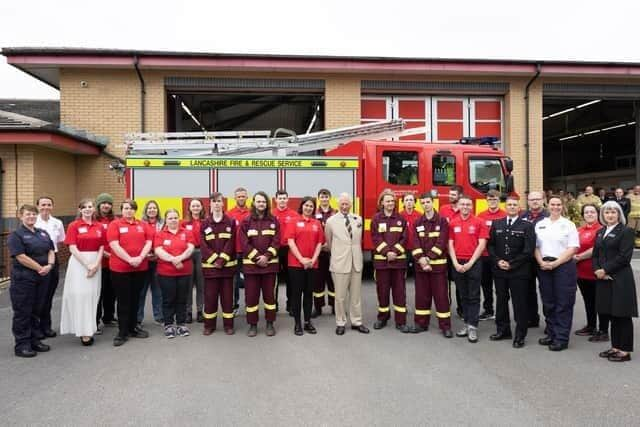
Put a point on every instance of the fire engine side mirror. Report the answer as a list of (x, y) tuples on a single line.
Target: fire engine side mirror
[(508, 163), (509, 184)]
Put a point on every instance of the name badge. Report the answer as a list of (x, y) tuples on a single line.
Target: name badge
[(105, 226), (318, 216), (472, 229), (382, 228), (82, 230), (300, 224), (167, 243), (457, 229), (189, 227), (489, 223), (124, 230), (420, 228), (207, 230), (139, 228)]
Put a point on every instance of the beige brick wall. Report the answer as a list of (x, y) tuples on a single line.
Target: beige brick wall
[(55, 176), (342, 102), (14, 196)]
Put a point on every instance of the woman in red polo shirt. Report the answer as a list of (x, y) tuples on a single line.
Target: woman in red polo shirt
[(586, 278), (173, 246), (130, 241), (85, 238), (192, 222), (305, 237)]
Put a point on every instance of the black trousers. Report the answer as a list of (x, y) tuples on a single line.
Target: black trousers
[(301, 283), (283, 274), (468, 283), (622, 333), (54, 279), (127, 287), (588, 291), (516, 288), (450, 278), (107, 302), (28, 294), (175, 291), (487, 284), (532, 298)]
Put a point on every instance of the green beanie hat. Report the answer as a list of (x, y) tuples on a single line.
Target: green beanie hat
[(104, 198)]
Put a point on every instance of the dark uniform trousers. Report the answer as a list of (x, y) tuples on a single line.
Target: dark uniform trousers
[(532, 299), (487, 284), (214, 288), (558, 292), (127, 287), (283, 274), (392, 281), (28, 293), (52, 286), (468, 283), (516, 288), (324, 279), (302, 285), (107, 302), (253, 284), (174, 298), (434, 286)]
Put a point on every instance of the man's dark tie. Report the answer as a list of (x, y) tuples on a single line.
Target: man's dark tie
[(509, 222), (347, 224)]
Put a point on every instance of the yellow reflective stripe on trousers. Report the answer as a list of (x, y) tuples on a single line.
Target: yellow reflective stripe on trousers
[(380, 246), (417, 252), (209, 315), (438, 261), (399, 247), (443, 315), (422, 312), (318, 294), (331, 294), (212, 258), (269, 306), (383, 309), (251, 309), (399, 309), (227, 315), (436, 250)]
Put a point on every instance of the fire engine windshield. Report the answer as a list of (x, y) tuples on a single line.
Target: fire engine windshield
[(486, 174)]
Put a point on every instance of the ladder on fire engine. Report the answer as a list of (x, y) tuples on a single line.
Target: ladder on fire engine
[(283, 142)]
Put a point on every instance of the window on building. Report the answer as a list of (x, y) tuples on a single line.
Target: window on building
[(400, 167), (486, 174), (444, 169)]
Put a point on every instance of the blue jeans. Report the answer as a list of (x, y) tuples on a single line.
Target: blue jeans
[(151, 280)]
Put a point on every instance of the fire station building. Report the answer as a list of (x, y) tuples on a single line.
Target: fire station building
[(564, 124)]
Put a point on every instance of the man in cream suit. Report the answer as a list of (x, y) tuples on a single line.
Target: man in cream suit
[(343, 232)]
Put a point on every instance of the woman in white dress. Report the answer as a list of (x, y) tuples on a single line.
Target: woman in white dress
[(85, 238)]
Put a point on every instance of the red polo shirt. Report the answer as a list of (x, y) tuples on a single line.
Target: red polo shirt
[(587, 235), (174, 244), (411, 219), (465, 234), (132, 237), (488, 217), (193, 226), (87, 237), (238, 215), (284, 217), (307, 233), (448, 213)]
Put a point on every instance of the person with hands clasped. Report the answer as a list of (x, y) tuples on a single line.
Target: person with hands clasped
[(33, 257), (467, 239), (260, 240), (130, 241), (305, 238), (218, 265), (86, 239), (389, 237), (556, 243), (173, 245), (615, 285)]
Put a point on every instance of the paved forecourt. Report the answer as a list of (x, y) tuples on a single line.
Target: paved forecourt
[(384, 378)]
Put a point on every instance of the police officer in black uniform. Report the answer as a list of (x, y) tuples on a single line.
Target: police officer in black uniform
[(33, 258), (512, 242)]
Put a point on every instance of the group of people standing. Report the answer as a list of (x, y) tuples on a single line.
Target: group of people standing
[(317, 251)]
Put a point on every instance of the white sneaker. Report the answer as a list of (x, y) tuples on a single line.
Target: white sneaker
[(472, 334), (463, 332), (182, 331)]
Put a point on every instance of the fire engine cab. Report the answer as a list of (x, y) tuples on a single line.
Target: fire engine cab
[(174, 168)]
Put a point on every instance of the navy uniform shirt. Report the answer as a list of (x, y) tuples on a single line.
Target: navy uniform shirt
[(34, 244)]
